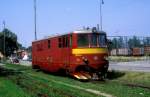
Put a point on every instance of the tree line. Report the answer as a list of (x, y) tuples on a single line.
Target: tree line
[(8, 42), (126, 42)]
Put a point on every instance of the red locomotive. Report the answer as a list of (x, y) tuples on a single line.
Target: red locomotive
[(81, 54)]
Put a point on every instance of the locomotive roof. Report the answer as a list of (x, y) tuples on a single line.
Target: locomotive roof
[(76, 31), (87, 31)]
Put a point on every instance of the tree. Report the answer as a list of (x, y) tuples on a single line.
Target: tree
[(120, 42), (147, 41), (134, 42), (11, 43), (114, 43), (29, 49), (117, 43)]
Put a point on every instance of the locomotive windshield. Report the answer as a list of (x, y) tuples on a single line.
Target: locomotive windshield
[(102, 41), (83, 40), (92, 40)]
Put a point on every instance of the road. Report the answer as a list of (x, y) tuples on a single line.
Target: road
[(142, 66)]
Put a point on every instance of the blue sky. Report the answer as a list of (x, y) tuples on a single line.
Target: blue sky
[(120, 17)]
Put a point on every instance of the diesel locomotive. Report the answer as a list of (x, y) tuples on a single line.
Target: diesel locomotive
[(81, 54)]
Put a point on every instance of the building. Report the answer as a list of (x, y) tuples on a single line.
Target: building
[(1, 56)]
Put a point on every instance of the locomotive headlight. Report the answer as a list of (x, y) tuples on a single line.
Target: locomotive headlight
[(84, 58), (106, 57)]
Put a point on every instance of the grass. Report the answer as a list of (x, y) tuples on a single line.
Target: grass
[(128, 58), (114, 87), (25, 82), (34, 85), (9, 89)]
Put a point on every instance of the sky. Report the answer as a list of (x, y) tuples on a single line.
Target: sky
[(120, 17)]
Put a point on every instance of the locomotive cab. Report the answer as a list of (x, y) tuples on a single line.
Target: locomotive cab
[(91, 54)]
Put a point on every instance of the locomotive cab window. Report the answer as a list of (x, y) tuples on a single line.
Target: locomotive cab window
[(91, 40), (70, 40), (83, 40), (49, 43), (94, 40), (60, 42), (102, 40), (65, 41)]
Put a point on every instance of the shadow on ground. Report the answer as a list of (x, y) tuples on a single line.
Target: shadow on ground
[(7, 72), (114, 74)]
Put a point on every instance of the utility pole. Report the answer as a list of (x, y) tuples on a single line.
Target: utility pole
[(101, 16), (4, 35), (35, 20)]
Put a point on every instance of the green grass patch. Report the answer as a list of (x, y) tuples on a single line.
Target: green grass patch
[(29, 83), (36, 86), (115, 87), (9, 89)]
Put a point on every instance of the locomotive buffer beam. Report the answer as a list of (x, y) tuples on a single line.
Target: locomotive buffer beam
[(82, 75), (85, 76)]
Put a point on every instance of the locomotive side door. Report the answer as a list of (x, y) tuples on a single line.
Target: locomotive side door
[(66, 51)]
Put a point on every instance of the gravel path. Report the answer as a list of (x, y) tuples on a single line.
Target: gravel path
[(142, 66)]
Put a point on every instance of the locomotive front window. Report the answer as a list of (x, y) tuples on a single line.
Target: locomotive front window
[(97, 40), (91, 40), (102, 40), (83, 40), (94, 40)]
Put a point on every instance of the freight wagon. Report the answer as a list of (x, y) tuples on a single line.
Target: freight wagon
[(137, 51), (147, 50), (121, 52), (113, 52), (81, 54)]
